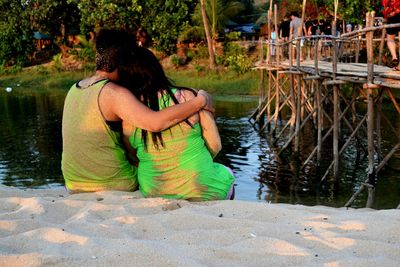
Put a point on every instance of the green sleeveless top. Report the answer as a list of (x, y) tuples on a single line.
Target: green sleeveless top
[(93, 157), (183, 168)]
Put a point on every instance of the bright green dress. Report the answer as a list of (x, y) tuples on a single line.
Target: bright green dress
[(183, 168)]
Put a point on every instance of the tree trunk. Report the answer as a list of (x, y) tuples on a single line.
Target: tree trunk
[(208, 36)]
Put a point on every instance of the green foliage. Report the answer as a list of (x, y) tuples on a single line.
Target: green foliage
[(56, 18), (239, 63), (199, 68), (85, 51), (223, 82), (235, 58), (57, 58), (233, 36), (219, 12), (41, 70), (15, 69), (163, 20), (58, 66), (202, 52), (231, 48), (15, 35), (192, 34), (175, 60)]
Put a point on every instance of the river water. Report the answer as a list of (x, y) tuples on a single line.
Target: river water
[(30, 154)]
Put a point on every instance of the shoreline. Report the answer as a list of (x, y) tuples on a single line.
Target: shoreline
[(45, 227)]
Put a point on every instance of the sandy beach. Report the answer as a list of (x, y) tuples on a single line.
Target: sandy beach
[(49, 227)]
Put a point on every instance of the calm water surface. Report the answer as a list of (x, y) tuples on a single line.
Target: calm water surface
[(30, 155)]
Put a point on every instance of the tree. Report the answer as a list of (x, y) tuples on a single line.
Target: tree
[(208, 35), (55, 18), (163, 20), (219, 12), (15, 33)]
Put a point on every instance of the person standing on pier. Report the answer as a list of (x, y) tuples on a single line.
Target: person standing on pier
[(295, 26), (391, 12), (284, 34)]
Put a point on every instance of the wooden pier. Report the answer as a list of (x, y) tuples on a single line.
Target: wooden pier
[(323, 93)]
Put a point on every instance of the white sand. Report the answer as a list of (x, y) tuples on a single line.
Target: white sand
[(52, 228)]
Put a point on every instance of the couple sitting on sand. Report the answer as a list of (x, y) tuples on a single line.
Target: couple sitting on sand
[(129, 109)]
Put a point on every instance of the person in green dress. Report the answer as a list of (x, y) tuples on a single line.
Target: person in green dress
[(177, 162), (93, 156)]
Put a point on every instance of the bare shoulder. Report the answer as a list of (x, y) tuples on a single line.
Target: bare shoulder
[(113, 87)]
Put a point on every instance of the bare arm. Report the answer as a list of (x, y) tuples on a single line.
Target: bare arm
[(210, 132), (291, 32), (117, 102)]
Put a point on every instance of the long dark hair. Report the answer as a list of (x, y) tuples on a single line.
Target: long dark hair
[(142, 74)]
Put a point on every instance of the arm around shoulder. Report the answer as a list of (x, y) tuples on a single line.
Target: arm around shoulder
[(128, 108), (210, 132)]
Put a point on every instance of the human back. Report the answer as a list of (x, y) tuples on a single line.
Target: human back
[(99, 162), (93, 156), (177, 162)]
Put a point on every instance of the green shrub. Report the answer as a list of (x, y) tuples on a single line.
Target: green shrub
[(199, 68), (235, 58), (239, 63), (202, 52), (89, 67), (232, 49), (14, 46), (233, 36), (41, 70), (86, 51), (175, 60)]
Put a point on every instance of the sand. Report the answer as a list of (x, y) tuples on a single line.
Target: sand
[(49, 227)]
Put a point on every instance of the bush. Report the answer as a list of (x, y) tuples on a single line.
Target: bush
[(86, 51), (239, 63), (175, 60), (10, 70), (235, 58), (14, 46), (41, 70), (57, 62), (233, 36)]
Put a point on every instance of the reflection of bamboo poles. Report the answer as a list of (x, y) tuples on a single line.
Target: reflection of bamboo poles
[(314, 105)]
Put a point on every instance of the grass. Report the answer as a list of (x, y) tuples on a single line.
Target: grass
[(41, 81), (223, 83)]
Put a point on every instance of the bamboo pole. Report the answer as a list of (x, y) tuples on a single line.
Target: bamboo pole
[(381, 46), (262, 88), (269, 98), (277, 47), (336, 104), (319, 122), (378, 125), (371, 149), (269, 36), (357, 48), (261, 115)]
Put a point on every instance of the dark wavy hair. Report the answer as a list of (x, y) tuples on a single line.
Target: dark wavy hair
[(142, 74), (111, 46)]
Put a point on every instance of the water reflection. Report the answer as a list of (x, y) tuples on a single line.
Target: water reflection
[(30, 139), (30, 155)]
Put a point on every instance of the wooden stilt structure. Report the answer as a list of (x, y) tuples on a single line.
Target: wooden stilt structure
[(311, 91)]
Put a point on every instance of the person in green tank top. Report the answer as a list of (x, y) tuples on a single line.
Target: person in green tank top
[(93, 155), (177, 162)]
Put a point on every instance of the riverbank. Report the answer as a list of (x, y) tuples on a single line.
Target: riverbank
[(219, 83), (52, 228)]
